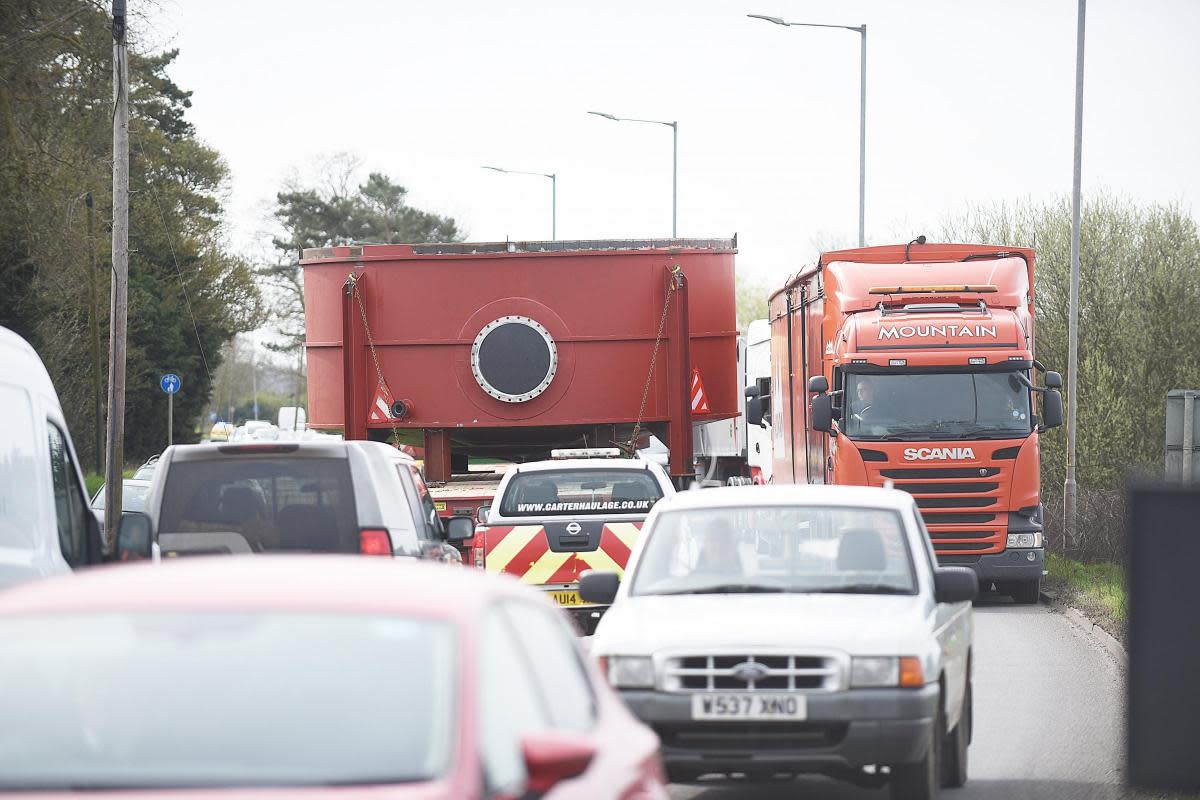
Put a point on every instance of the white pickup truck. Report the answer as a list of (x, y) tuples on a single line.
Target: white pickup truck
[(767, 630)]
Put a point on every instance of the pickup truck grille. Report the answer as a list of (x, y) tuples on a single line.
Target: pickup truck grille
[(750, 673)]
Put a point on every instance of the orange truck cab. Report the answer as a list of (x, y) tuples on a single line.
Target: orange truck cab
[(914, 366)]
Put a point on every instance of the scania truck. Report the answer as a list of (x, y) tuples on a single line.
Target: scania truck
[(914, 366)]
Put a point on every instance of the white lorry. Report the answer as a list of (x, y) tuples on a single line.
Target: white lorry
[(731, 451)]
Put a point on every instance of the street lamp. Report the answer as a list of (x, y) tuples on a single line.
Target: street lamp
[(674, 126), (553, 194), (1070, 489), (862, 113)]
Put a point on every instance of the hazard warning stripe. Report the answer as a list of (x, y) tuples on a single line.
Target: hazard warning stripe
[(699, 397), (509, 545), (545, 567), (627, 532), (598, 559), (524, 552)]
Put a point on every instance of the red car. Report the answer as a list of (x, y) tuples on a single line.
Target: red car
[(317, 676)]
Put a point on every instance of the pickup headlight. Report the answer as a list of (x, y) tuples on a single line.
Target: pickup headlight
[(866, 673), (631, 672), (886, 671), (1024, 540)]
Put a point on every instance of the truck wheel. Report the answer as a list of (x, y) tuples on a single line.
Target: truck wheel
[(954, 764), (920, 781), (1027, 593)]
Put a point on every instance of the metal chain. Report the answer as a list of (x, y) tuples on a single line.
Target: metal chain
[(374, 355), (662, 324)]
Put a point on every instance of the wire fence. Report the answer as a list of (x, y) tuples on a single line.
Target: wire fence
[(1101, 519)]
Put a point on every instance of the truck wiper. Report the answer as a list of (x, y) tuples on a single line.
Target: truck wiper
[(731, 588), (982, 433), (864, 588)]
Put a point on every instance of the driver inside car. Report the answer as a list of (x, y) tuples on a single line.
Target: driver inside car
[(719, 553)]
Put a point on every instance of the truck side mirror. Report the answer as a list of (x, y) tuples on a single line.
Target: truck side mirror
[(818, 383), (754, 410), (135, 537), (821, 414), (1052, 408), (1053, 380)]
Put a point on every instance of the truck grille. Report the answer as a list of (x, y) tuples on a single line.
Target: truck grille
[(741, 737), (750, 673), (961, 505)]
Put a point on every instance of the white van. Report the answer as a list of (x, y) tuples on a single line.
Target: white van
[(46, 526)]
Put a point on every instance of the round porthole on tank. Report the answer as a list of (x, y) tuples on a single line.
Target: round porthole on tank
[(514, 359)]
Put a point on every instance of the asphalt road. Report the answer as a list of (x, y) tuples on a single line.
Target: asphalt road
[(1049, 711)]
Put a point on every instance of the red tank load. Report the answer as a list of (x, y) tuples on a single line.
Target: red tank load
[(511, 349)]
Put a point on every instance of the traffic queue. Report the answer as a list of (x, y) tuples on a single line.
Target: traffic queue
[(755, 632)]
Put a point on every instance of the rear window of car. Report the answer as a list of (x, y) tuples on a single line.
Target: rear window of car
[(133, 498), (145, 699), (580, 492), (243, 503)]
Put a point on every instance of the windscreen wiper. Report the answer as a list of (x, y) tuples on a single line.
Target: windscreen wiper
[(989, 433), (863, 588), (731, 588)]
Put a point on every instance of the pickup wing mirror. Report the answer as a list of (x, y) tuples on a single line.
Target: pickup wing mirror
[(459, 529), (598, 587), (135, 537), (955, 584)]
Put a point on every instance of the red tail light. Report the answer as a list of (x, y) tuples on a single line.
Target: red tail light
[(756, 477), (374, 542)]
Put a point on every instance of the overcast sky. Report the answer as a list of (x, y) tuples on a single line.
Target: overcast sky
[(968, 102)]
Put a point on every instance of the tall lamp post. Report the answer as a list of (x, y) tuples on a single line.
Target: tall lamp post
[(862, 111), (1069, 487), (674, 126), (553, 194)]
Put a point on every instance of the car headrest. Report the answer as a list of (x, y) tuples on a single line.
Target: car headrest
[(861, 550), (630, 490), (540, 492), (240, 504)]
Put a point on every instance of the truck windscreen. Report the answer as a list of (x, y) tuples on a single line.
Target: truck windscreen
[(580, 492), (926, 406)]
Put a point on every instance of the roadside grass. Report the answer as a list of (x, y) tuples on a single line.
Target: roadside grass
[(1097, 590), (92, 481)]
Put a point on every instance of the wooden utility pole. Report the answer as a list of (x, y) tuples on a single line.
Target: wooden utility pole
[(97, 367), (119, 309)]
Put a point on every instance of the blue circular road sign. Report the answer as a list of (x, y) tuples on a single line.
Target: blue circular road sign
[(170, 383)]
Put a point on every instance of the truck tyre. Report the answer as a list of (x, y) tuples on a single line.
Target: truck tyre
[(921, 781), (1027, 593), (954, 762)]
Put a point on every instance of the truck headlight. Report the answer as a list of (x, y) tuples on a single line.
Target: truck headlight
[(1024, 540), (631, 672), (873, 672)]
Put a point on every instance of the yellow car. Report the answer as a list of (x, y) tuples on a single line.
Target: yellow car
[(220, 432)]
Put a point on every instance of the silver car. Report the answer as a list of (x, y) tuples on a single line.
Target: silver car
[(320, 496)]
